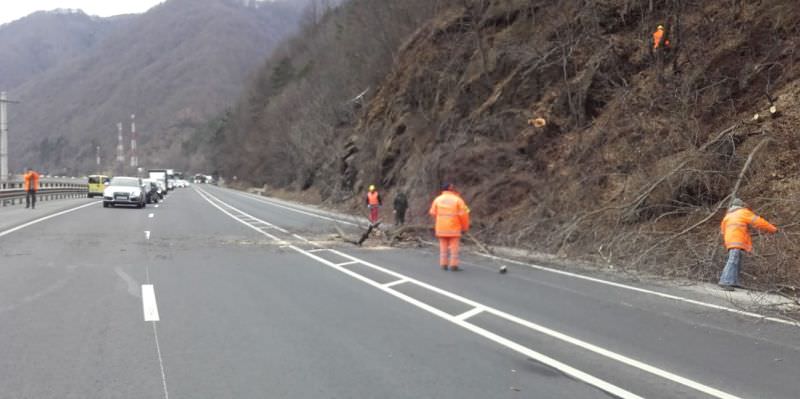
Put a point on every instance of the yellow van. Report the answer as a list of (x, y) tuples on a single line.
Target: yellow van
[(97, 183)]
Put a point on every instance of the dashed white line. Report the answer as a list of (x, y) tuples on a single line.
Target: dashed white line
[(160, 362), (147, 234), (152, 215), (149, 306)]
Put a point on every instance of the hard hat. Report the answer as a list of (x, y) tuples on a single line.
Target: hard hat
[(539, 122), (447, 186), (660, 27), (371, 187), (737, 203)]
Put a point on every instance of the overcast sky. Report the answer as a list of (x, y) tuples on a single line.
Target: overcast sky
[(15, 9)]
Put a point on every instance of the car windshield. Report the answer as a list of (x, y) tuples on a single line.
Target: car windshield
[(125, 181)]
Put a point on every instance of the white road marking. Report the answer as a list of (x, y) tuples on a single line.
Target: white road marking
[(264, 200), (646, 291), (510, 344), (42, 219), (160, 362), (156, 205), (564, 368), (152, 215), (149, 305), (395, 282), (147, 234), (346, 263), (470, 313), (129, 281)]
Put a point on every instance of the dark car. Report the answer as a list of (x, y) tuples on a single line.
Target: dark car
[(151, 191)]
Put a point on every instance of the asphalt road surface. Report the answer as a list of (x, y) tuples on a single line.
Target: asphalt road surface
[(220, 294)]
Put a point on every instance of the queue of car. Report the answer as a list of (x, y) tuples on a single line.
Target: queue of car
[(135, 191)]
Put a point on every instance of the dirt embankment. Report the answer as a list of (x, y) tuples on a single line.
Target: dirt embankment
[(641, 150)]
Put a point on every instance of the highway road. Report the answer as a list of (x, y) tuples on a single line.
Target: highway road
[(216, 293)]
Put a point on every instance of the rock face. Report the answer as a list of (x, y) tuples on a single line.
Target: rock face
[(630, 166)]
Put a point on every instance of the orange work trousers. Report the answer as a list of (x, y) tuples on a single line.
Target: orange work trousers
[(449, 245)]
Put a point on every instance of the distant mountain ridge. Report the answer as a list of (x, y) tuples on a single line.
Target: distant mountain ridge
[(174, 66)]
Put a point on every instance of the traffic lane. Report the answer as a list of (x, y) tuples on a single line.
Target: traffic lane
[(74, 324), (242, 317), (658, 340), (298, 222), (259, 321), (11, 216), (743, 355)]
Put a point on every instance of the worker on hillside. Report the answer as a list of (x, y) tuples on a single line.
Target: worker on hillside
[(400, 207), (452, 219), (373, 203), (31, 186), (735, 230), (659, 41)]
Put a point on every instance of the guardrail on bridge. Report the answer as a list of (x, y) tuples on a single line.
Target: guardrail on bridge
[(13, 192)]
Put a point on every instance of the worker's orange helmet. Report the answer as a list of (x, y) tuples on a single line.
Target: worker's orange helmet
[(660, 27)]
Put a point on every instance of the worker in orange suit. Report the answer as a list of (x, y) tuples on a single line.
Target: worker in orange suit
[(31, 186), (735, 230), (374, 202), (658, 37), (452, 219)]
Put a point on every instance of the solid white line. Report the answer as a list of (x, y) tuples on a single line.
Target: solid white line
[(160, 362), (42, 219), (318, 250), (544, 359), (555, 334), (264, 200), (395, 282), (274, 238), (564, 368), (646, 291), (152, 215), (206, 193), (149, 303), (470, 313)]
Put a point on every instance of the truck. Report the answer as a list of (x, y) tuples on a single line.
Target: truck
[(161, 176)]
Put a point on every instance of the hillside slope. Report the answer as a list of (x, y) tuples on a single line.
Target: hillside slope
[(181, 62), (640, 153), (43, 40)]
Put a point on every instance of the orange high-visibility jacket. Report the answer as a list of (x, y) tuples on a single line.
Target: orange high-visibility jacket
[(31, 180), (451, 213), (735, 228), (373, 198), (657, 35)]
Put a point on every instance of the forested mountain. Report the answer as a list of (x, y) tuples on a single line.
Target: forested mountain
[(42, 40), (639, 154), (180, 63)]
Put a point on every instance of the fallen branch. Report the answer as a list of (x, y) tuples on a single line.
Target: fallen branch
[(719, 203)]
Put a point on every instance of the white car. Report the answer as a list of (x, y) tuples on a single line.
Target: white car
[(124, 191)]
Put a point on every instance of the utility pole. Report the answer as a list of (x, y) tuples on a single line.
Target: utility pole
[(4, 101), (134, 158), (97, 152), (120, 151)]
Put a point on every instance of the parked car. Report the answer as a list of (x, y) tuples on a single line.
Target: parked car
[(124, 191)]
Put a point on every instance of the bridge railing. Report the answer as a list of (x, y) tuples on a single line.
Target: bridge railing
[(13, 192)]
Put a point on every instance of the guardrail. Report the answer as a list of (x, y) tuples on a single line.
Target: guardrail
[(13, 192)]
